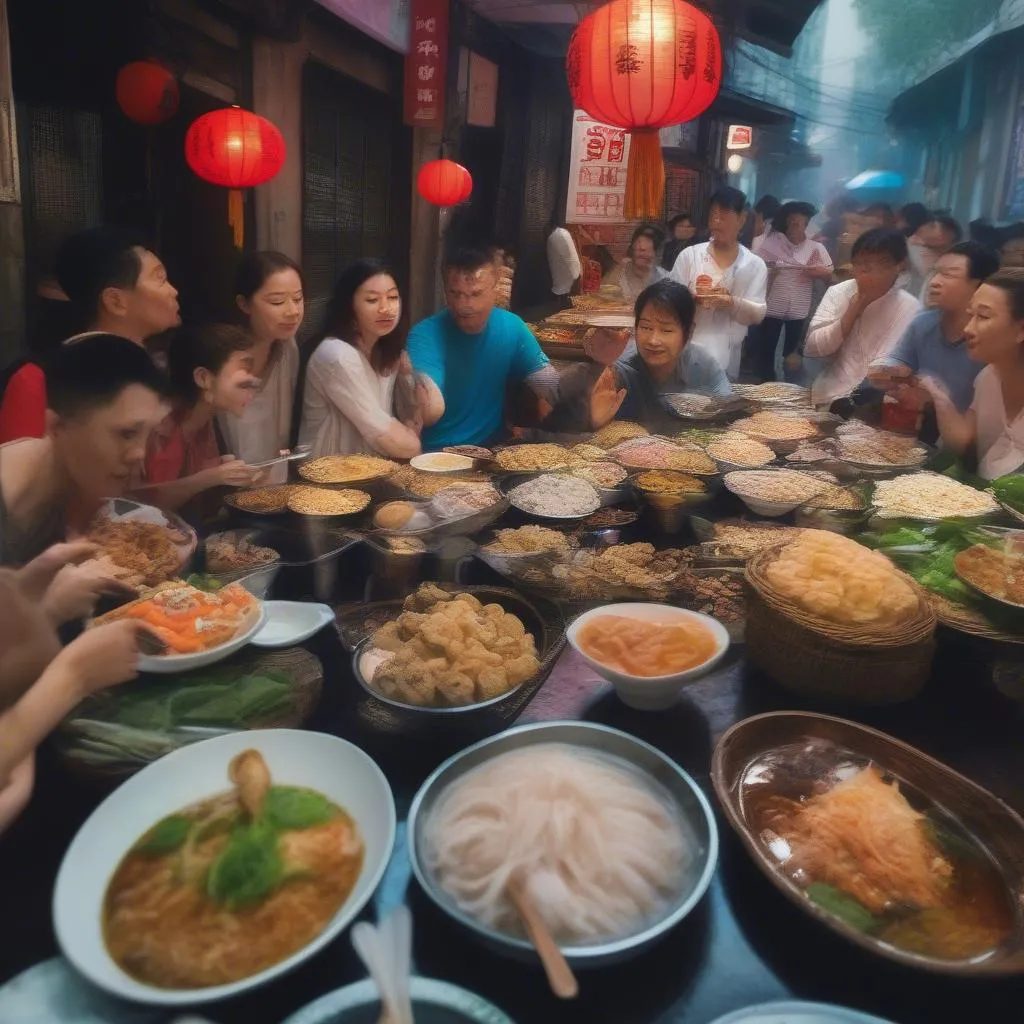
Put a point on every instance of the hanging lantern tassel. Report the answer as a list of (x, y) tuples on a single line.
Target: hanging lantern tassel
[(645, 176), (236, 215)]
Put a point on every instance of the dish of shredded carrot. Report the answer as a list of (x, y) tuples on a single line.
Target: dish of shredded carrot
[(189, 620), (647, 649)]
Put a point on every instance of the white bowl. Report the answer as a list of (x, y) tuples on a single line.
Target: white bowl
[(290, 622), (427, 462), (650, 693), (165, 664), (332, 766)]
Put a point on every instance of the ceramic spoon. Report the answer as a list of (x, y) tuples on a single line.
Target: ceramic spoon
[(387, 952)]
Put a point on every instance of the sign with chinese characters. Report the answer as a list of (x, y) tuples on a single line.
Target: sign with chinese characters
[(740, 136), (597, 172), (426, 64)]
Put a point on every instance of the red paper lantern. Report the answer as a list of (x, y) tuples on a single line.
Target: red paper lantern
[(644, 65), (146, 92), (444, 183), (236, 149)]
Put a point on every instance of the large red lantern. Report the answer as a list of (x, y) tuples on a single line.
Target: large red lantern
[(146, 92), (644, 65), (236, 149), (444, 183)]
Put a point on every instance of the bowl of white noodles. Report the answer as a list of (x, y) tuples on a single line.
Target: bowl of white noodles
[(614, 843)]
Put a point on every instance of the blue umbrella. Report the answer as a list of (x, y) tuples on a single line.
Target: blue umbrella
[(875, 181)]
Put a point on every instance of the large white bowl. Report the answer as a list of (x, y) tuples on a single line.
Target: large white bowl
[(165, 664), (650, 693), (332, 766)]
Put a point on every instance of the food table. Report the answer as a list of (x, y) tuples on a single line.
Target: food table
[(743, 945)]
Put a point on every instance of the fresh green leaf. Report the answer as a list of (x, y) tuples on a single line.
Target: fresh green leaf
[(1010, 489), (165, 836), (949, 842), (248, 869), (287, 807), (850, 911), (201, 582)]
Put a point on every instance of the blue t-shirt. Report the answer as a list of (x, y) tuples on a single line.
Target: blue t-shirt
[(472, 372), (925, 349)]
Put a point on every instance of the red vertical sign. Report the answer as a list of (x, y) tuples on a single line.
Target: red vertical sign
[(426, 64)]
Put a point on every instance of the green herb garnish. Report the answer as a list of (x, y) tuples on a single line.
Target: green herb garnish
[(850, 911), (287, 807), (248, 869), (165, 836)]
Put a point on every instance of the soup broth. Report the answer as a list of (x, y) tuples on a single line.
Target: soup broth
[(213, 894), (647, 649), (875, 854)]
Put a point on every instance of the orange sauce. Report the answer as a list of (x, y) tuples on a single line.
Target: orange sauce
[(647, 649)]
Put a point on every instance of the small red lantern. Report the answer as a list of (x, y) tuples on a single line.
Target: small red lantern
[(236, 149), (644, 65), (444, 183), (146, 92)]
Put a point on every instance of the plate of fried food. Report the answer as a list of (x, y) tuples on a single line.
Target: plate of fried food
[(261, 501), (346, 470), (450, 652), (995, 568), (194, 627), (140, 546)]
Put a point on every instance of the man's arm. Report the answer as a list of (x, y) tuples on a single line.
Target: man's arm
[(831, 324), (427, 357), (750, 305)]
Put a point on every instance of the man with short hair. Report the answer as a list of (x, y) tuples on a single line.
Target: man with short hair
[(728, 281), (933, 344), (467, 354), (934, 237), (860, 321)]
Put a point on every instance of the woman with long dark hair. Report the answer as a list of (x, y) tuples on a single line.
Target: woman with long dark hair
[(359, 394)]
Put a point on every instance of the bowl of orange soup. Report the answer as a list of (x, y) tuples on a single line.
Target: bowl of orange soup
[(649, 652)]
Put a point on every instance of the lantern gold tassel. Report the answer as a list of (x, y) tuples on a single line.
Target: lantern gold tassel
[(236, 215), (645, 176)]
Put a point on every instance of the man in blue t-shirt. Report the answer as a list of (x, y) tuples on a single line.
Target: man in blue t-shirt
[(933, 343), (468, 354)]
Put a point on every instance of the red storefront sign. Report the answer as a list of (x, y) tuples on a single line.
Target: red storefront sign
[(426, 64)]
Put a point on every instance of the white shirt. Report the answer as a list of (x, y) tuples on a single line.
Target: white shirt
[(264, 429), (789, 295), (1000, 444), (873, 336), (346, 404), (721, 331), (621, 280), (563, 261)]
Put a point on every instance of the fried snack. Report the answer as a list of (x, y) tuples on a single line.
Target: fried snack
[(657, 453), (588, 453), (457, 501), (740, 450), (836, 579), (428, 485), (449, 650), (146, 552), (319, 501), (263, 499), (775, 427), (781, 485), (223, 555), (881, 448), (394, 515), (837, 499), (532, 458), (998, 574), (616, 432), (528, 540), (343, 469), (930, 496), (659, 481), (635, 567), (600, 474), (405, 545), (735, 540)]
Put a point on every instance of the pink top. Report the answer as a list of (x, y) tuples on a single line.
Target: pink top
[(789, 294)]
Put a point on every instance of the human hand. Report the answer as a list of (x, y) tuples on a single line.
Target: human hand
[(605, 345), (716, 300), (103, 656), (886, 376), (935, 389), (909, 396), (605, 400), (76, 589), (233, 472), (36, 577)]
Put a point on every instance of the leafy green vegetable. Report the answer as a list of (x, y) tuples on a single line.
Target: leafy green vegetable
[(218, 826), (1010, 489), (846, 908), (165, 836), (248, 868), (201, 582), (949, 842), (287, 807)]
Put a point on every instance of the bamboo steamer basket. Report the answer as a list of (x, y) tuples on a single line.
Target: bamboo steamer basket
[(847, 664)]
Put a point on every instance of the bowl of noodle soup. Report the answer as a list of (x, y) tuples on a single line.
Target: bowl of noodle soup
[(335, 771), (631, 855)]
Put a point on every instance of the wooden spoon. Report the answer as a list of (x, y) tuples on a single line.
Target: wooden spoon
[(560, 977)]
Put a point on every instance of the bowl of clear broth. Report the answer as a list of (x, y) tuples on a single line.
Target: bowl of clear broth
[(223, 865), (648, 652)]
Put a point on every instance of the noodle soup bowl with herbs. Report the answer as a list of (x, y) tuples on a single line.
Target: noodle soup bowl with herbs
[(223, 865), (632, 854), (648, 652)]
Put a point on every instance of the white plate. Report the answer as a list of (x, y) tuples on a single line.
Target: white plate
[(798, 1013), (332, 766), (428, 462), (290, 622), (165, 664)]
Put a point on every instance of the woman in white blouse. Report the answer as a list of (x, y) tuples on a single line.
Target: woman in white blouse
[(358, 372), (994, 424), (269, 296)]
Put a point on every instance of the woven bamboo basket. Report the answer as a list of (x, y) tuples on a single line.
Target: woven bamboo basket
[(844, 664)]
